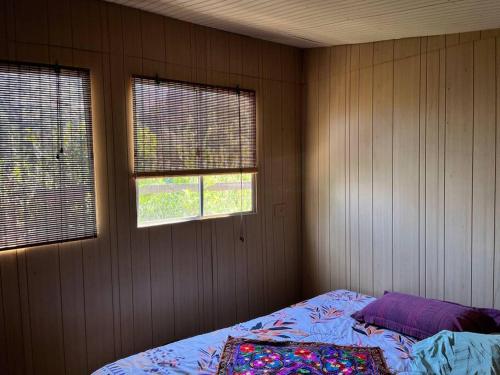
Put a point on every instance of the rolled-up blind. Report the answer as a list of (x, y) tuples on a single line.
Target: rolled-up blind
[(186, 128), (46, 163)]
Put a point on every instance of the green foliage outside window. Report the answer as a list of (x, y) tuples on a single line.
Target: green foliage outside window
[(170, 199)]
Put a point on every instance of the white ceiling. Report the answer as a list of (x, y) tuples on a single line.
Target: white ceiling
[(312, 23)]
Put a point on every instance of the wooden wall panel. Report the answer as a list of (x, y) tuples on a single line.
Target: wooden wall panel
[(458, 172), (483, 170), (337, 170), (434, 151), (323, 165), (418, 163), (353, 157), (310, 178), (383, 137), (406, 159), (366, 168), (70, 308)]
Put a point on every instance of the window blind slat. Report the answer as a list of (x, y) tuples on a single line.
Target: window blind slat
[(185, 128), (46, 162)]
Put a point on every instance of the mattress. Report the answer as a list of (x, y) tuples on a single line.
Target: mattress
[(325, 318)]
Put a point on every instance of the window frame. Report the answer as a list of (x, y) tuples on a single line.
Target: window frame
[(92, 153), (194, 173)]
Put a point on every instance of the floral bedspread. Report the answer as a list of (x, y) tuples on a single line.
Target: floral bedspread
[(325, 318)]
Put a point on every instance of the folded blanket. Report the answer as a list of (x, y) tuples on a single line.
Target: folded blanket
[(457, 353)]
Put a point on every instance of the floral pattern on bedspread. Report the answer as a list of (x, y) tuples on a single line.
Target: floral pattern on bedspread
[(325, 318)]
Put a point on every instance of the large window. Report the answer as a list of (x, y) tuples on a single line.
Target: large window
[(194, 150), (46, 163)]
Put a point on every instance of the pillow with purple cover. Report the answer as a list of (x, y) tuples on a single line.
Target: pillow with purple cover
[(422, 317)]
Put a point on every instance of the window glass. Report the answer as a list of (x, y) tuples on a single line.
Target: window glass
[(167, 199), (227, 194)]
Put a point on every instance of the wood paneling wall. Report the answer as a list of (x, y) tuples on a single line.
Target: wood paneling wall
[(401, 186), (72, 307)]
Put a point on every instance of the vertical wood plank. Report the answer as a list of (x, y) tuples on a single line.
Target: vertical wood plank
[(483, 188), (131, 20), (162, 293), (338, 132), (310, 196), (269, 99), (458, 172), (177, 40), (199, 46), (271, 61), (4, 50), (274, 194), (383, 166), (442, 171), (22, 276), (59, 23), (290, 64), (324, 169), (366, 168), (432, 173), (86, 24), (291, 186), (252, 53), (235, 54), (115, 29), (153, 36), (45, 309), (218, 51), (31, 24), (3, 342), (73, 307), (406, 148), (185, 280), (227, 307), (11, 306), (206, 292), (421, 173), (241, 268), (354, 169), (347, 217)]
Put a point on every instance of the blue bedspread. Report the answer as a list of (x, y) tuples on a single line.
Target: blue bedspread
[(325, 318)]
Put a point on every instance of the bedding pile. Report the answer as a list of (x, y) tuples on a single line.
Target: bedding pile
[(325, 318), (457, 353)]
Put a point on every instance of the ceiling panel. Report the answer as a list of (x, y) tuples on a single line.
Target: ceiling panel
[(312, 23)]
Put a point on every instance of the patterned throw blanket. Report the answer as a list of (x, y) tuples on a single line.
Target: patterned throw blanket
[(249, 357)]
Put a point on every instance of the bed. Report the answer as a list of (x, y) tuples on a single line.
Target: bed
[(325, 318)]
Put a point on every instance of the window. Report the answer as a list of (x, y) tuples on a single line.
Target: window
[(46, 162), (194, 150)]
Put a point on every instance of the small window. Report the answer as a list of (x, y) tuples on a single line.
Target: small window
[(46, 163), (194, 151)]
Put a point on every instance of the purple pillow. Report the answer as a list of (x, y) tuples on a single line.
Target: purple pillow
[(421, 317), (493, 314)]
